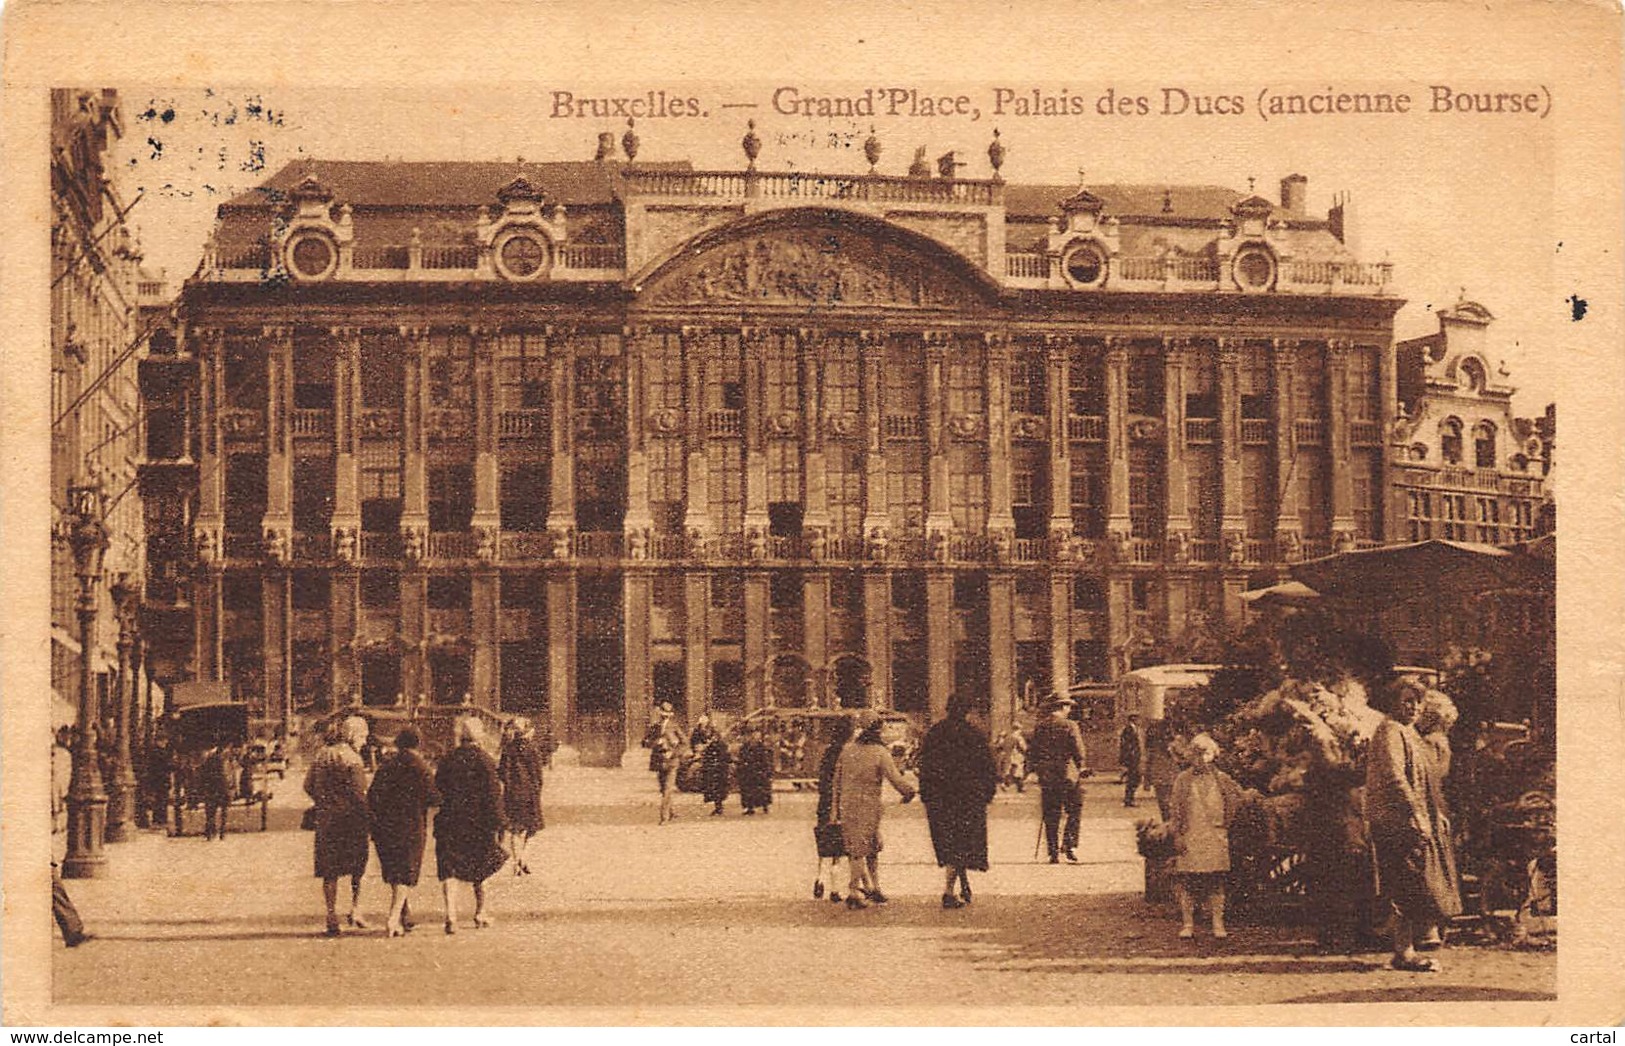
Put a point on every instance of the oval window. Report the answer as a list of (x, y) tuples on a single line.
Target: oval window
[(1255, 269), (312, 256), (522, 256), (1086, 266)]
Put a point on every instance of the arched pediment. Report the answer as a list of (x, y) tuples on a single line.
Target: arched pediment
[(815, 258)]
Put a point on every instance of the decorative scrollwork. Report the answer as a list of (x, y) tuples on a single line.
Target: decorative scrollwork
[(843, 423), (784, 423), (1027, 426), (665, 422), (965, 426), (1145, 430)]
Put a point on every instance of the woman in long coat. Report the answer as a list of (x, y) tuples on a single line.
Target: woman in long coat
[(400, 797), (1204, 804), (755, 772), (958, 778), (1404, 805), (715, 760), (468, 828), (864, 766), (337, 783), (520, 771), (827, 834)]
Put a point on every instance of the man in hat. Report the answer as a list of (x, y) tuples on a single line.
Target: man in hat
[(1131, 754), (667, 747), (1057, 755)]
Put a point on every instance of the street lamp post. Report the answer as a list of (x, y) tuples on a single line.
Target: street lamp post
[(121, 794), (87, 802)]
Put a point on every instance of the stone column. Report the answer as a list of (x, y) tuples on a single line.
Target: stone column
[(277, 527), (756, 637), (938, 518), (1339, 444), (276, 621), (1060, 632), (487, 516), (346, 521), (1000, 519), (1058, 377), (561, 509), (697, 517), (210, 625), (1118, 524), (815, 634), (415, 444), (871, 377), (939, 640), (209, 344), (877, 636), (637, 595), (1288, 524), (1233, 525), (1175, 358), (344, 619), (755, 435), (815, 518), (414, 632), (636, 341), (122, 797), (697, 640), (1119, 621), (1001, 647), (561, 694)]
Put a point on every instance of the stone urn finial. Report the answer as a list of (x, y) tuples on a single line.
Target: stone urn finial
[(871, 149), (995, 154), (751, 143), (629, 141)]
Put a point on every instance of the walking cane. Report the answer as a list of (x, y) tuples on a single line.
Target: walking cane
[(1039, 841)]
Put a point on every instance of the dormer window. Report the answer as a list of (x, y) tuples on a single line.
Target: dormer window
[(311, 255), (1086, 266), (1484, 445), (1254, 269), (521, 254)]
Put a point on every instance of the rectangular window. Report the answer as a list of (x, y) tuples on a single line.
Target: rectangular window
[(383, 372), (524, 591), (663, 372), (783, 374), (1086, 490), (727, 686), (909, 676), (1029, 386), (245, 493), (1090, 661), (726, 487), (1205, 496), (1086, 381), (311, 590), (967, 386), (1365, 383), (905, 380), (1029, 492), (600, 397), (451, 497), (1146, 509), (1367, 511), (244, 374), (600, 475), (843, 486), (1089, 594), (967, 487), (908, 590), (1145, 380), (1419, 506), (1309, 382), (1258, 491), (380, 589), (841, 395), (905, 486), (970, 591), (1488, 529), (313, 370), (846, 591), (450, 363), (450, 592), (1315, 495), (524, 496), (1202, 387), (313, 497), (522, 371), (727, 589), (668, 474), (380, 494), (783, 471), (1256, 384), (724, 371), (1454, 508)]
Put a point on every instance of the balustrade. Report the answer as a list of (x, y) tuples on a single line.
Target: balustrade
[(724, 423), (1204, 551), (1259, 550), (846, 547), (451, 544), (380, 544), (1145, 550), (1201, 430), (312, 422), (1315, 548), (593, 256), (1026, 266), (381, 256), (607, 544), (253, 256), (456, 257), (668, 546), (1086, 428), (1365, 433), (904, 426), (786, 547), (1257, 431), (308, 545), (521, 424), (238, 544), (450, 621), (1030, 550), (525, 544), (970, 548), (1310, 431)]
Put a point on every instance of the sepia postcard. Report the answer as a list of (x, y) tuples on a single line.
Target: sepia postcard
[(679, 514)]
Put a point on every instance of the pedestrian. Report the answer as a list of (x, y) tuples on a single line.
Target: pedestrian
[(399, 800), (1164, 759), (1131, 754), (159, 768), (1013, 758), (520, 771), (958, 780), (715, 764), (468, 828), (66, 915), (667, 747), (755, 773), (1433, 724), (1404, 806), (1205, 801), (61, 777), (337, 783), (864, 766), (215, 787), (1057, 755), (828, 834)]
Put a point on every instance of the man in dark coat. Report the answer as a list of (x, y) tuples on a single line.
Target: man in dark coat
[(1056, 754), (1131, 754), (399, 802), (958, 778), (715, 759), (215, 786), (520, 770), (755, 773)]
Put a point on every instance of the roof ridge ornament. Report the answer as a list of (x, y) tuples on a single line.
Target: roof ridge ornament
[(871, 149), (519, 189)]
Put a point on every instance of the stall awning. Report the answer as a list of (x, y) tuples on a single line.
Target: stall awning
[(1382, 577)]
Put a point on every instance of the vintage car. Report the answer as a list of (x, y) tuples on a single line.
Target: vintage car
[(798, 738), (194, 730)]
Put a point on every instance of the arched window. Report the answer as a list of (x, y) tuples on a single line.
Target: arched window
[(1473, 372), (1450, 441), (1484, 445)]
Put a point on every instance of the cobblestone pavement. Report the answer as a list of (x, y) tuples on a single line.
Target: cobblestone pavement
[(708, 915)]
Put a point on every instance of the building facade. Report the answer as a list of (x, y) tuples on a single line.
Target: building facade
[(1465, 468), (571, 438), (96, 296)]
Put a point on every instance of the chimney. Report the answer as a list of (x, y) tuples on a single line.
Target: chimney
[(606, 146), (1294, 194)]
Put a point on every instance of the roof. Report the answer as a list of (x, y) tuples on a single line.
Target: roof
[(409, 183)]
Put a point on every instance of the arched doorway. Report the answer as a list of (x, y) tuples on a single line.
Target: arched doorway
[(788, 679), (852, 676)]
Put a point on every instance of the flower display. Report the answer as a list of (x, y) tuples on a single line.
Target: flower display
[(1274, 742)]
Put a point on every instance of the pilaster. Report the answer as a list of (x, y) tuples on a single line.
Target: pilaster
[(697, 519), (346, 466), (415, 440), (815, 519), (755, 433), (939, 640), (561, 650), (1058, 376), (1338, 351), (1060, 633), (1288, 523), (871, 372), (344, 610), (1175, 360), (938, 519), (697, 640), (636, 354), (1118, 525), (877, 636), (278, 342), (561, 512), (637, 596), (1000, 519), (756, 638), (275, 622), (414, 626), (487, 508), (1233, 525), (1001, 644), (815, 634)]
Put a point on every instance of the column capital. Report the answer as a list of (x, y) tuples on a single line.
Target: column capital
[(276, 332), (1230, 350), (1339, 347), (936, 340), (344, 333), (559, 332), (996, 340), (871, 338), (637, 331), (420, 332), (1175, 347), (1116, 347)]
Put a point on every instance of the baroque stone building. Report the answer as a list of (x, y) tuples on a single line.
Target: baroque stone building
[(1465, 467), (568, 438)]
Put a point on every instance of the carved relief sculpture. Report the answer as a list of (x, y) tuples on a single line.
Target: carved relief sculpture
[(412, 542), (878, 542), (344, 544), (485, 544), (276, 546)]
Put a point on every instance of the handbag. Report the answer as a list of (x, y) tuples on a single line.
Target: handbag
[(307, 821)]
